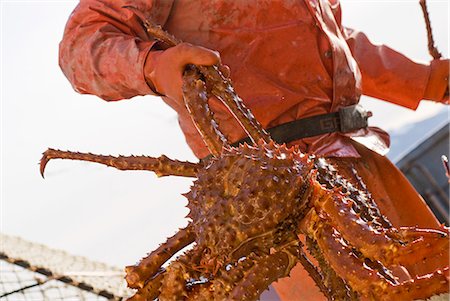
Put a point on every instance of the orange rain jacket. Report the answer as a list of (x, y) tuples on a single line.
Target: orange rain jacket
[(288, 60)]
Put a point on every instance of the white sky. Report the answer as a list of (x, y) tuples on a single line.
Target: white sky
[(108, 215)]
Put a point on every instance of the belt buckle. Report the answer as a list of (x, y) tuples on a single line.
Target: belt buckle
[(329, 124), (353, 118)]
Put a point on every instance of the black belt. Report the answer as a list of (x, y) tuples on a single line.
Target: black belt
[(347, 119)]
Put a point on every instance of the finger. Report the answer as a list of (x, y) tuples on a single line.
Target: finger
[(198, 55)]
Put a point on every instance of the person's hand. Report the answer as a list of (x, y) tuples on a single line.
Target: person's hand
[(437, 87), (164, 69)]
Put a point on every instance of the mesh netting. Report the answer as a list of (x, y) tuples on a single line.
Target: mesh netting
[(30, 271)]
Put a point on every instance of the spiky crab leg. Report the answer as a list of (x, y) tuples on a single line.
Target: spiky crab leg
[(150, 291), (173, 286), (371, 279), (365, 205), (174, 283), (137, 275), (221, 86), (223, 90), (265, 271), (390, 246), (329, 283), (225, 280), (196, 100), (161, 166)]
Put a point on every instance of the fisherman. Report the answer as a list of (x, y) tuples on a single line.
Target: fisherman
[(289, 61)]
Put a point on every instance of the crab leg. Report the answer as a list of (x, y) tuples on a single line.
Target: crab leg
[(223, 90), (421, 243), (179, 282), (221, 87), (376, 283), (137, 275), (265, 271), (329, 283), (196, 100), (161, 166), (174, 283), (407, 246), (365, 205), (151, 289)]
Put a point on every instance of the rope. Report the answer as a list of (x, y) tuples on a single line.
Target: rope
[(431, 46)]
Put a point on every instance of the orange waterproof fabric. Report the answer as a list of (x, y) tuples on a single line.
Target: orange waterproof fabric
[(288, 60)]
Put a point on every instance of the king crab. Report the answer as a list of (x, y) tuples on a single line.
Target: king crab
[(248, 207)]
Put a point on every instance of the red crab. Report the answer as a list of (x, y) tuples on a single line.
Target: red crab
[(248, 207)]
